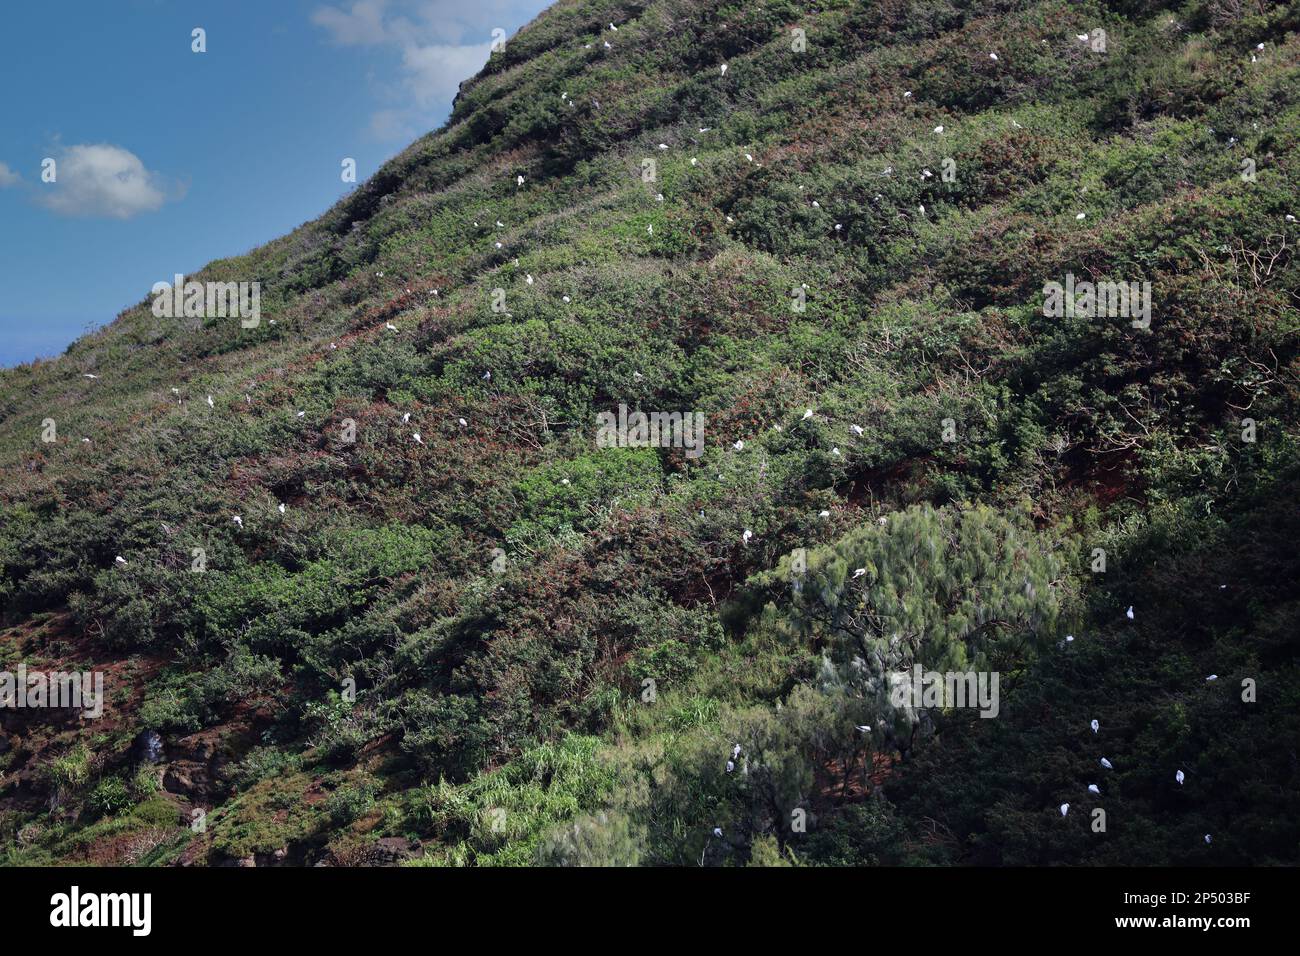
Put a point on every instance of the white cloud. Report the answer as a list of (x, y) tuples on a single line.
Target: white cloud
[(102, 180), (8, 177), (440, 43), (434, 73), (361, 25)]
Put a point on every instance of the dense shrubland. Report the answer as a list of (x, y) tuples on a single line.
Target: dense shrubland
[(503, 645)]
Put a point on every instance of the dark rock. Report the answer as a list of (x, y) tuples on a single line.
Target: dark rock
[(389, 851), (147, 747)]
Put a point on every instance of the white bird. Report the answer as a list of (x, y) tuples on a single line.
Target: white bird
[(694, 161), (650, 229), (1179, 777), (835, 452), (564, 481), (86, 440), (500, 224), (735, 751), (417, 438), (1107, 764), (856, 429), (487, 376), (1093, 788), (282, 507), (739, 446), (858, 573), (749, 157), (1207, 838), (907, 95), (816, 204), (717, 832), (301, 414), (730, 766), (238, 520), (406, 418), (119, 560), (863, 728), (1065, 808), (1069, 638), (528, 277), (390, 327), (333, 346), (1081, 217), (1016, 125), (88, 375), (1095, 726), (1081, 37), (614, 28), (1212, 677), (807, 414), (565, 298), (724, 69), (210, 405), (882, 521), (922, 209), (838, 227), (939, 130), (519, 180), (823, 514), (993, 56), (663, 145), (744, 538), (1129, 613), (176, 391), (462, 422), (1259, 47)]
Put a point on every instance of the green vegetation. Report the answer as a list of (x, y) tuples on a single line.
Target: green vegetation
[(504, 645)]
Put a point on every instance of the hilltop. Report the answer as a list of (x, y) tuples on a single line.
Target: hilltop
[(450, 628)]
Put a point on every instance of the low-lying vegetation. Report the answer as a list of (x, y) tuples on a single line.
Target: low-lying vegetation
[(368, 590)]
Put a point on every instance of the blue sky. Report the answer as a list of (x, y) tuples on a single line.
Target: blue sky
[(167, 159)]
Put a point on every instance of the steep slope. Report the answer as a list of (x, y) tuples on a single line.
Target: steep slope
[(855, 230)]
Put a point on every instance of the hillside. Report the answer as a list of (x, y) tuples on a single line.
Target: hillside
[(365, 585)]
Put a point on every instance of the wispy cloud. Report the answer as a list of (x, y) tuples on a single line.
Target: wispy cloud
[(8, 177), (102, 180), (438, 43), (434, 72), (362, 24)]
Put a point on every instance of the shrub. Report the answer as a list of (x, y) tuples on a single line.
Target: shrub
[(110, 795)]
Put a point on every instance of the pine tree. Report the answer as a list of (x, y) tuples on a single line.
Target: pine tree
[(951, 589)]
